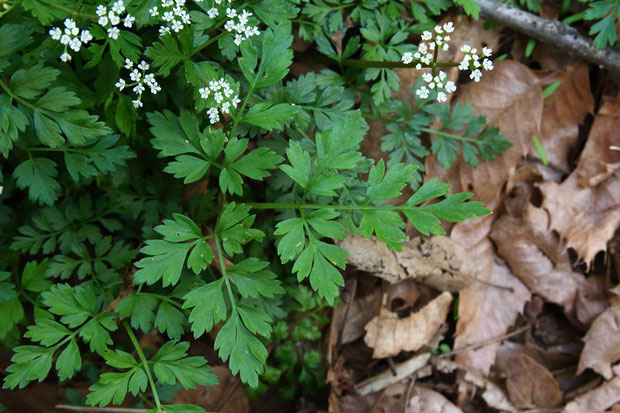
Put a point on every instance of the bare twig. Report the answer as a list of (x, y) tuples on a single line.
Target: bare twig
[(484, 343), (561, 36), (386, 378)]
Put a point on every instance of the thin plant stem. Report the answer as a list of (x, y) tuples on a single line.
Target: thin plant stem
[(14, 96), (145, 364), (220, 257)]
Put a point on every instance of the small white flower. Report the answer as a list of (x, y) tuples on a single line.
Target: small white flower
[(114, 19), (487, 52), (155, 88), (128, 63), (75, 44), (120, 84), (129, 21), (139, 88), (235, 101), (475, 75), (218, 97), (65, 57), (441, 97), (118, 7), (445, 46), (135, 75), (75, 31), (487, 64), (86, 37), (213, 13), (55, 33), (164, 30), (204, 92), (438, 29), (407, 58), (225, 107), (154, 12), (143, 65), (238, 39), (427, 77), (103, 21), (65, 39), (101, 10), (168, 16), (137, 104), (231, 13), (113, 33), (465, 48), (69, 24), (448, 27), (177, 26), (422, 92), (450, 87), (418, 66)]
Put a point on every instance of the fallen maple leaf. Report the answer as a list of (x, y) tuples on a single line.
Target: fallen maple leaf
[(586, 218), (388, 335), (602, 343), (598, 161), (531, 384), (563, 111)]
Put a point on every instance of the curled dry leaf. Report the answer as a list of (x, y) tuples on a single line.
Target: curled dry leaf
[(531, 254), (602, 343), (485, 311), (438, 262), (511, 98), (531, 384), (599, 399), (359, 313), (586, 218), (425, 400), (388, 335), (598, 161), (563, 111)]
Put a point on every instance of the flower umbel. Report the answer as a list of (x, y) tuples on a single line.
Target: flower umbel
[(140, 81), (71, 37), (222, 95), (109, 19), (426, 57)]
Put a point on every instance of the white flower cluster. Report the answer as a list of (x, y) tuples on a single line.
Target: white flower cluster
[(471, 61), (72, 37), (174, 15), (223, 95), (439, 83), (214, 12), (240, 27), (423, 57), (140, 81), (109, 19)]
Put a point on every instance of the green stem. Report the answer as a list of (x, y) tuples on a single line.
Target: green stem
[(574, 18), (220, 257), (449, 135), (282, 205), (209, 42), (14, 96), (239, 114), (393, 65), (145, 364)]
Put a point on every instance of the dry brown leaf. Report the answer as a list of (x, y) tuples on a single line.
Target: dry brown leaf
[(586, 218), (227, 396), (602, 343), (426, 400), (599, 399), (598, 161), (438, 262), (388, 335), (529, 255), (373, 256), (359, 313), (511, 98), (531, 384), (485, 311), (563, 111), (591, 299)]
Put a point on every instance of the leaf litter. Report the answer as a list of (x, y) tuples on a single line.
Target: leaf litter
[(515, 311)]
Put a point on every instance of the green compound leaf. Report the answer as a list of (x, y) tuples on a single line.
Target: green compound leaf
[(208, 307), (171, 364)]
